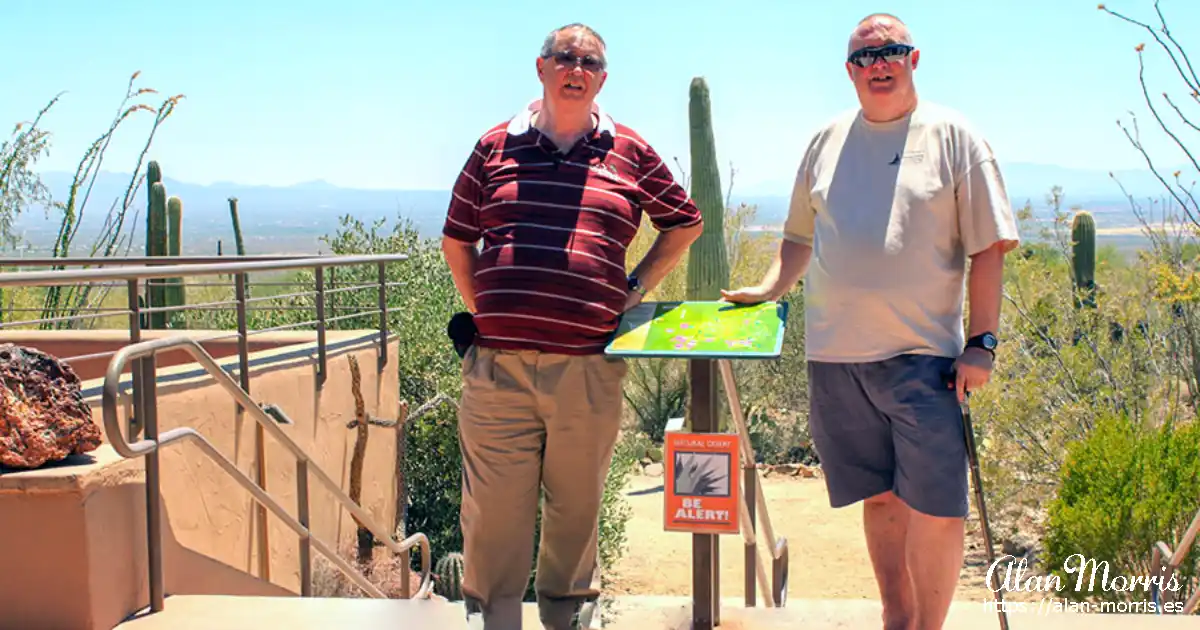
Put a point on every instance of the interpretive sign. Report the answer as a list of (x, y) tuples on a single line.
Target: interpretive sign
[(701, 487), (701, 330)]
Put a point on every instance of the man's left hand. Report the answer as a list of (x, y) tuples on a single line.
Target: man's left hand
[(972, 370), (632, 299)]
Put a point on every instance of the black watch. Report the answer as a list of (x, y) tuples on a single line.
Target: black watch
[(987, 341), (636, 285)]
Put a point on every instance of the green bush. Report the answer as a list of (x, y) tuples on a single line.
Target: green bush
[(1123, 488)]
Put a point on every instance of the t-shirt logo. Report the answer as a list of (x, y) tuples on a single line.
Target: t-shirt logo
[(911, 156), (605, 170)]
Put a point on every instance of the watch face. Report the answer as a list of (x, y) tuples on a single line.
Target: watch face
[(989, 341)]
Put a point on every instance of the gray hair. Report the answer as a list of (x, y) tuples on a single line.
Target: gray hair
[(548, 44)]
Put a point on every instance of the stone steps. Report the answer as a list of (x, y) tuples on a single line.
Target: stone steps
[(208, 612)]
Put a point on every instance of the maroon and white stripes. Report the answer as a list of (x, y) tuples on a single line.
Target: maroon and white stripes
[(555, 227)]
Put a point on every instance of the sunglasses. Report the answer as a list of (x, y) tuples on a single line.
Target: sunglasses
[(891, 53), (570, 59)]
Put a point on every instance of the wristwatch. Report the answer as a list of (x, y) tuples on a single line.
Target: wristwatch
[(636, 285), (987, 341)]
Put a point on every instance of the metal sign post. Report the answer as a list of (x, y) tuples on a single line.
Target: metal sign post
[(702, 492)]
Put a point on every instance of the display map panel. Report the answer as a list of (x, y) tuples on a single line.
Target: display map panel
[(702, 329)]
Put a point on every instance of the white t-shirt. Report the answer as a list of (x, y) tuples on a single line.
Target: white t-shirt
[(892, 211)]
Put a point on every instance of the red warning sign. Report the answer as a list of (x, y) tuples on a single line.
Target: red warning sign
[(701, 484)]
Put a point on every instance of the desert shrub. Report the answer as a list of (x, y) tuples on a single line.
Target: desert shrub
[(656, 390), (1124, 487), (1060, 367)]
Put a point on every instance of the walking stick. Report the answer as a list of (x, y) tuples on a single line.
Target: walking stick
[(973, 458)]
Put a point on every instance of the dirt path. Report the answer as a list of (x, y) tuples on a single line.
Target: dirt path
[(828, 555)]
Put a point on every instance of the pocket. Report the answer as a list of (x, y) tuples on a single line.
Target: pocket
[(468, 361), (615, 367), (477, 366)]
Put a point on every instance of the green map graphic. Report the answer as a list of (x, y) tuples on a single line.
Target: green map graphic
[(701, 330)]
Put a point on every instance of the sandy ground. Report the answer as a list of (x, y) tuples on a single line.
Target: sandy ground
[(828, 555)]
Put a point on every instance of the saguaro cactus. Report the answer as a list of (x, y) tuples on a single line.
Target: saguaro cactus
[(1083, 258), (708, 262), (156, 245), (449, 571)]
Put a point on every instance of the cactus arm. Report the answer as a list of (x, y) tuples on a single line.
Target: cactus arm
[(237, 226), (174, 248), (157, 246)]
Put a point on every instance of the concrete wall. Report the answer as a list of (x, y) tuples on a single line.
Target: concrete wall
[(211, 520)]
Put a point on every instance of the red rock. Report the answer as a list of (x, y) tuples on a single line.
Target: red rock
[(43, 417)]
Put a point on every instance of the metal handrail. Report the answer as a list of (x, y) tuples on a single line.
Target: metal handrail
[(776, 593), (1161, 552), (150, 444), (52, 277), (130, 260)]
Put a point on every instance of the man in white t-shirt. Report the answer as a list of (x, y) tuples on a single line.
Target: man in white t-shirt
[(890, 201)]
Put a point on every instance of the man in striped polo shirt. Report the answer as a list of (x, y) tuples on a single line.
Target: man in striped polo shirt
[(555, 194)]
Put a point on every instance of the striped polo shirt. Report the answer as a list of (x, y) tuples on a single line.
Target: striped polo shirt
[(555, 226)]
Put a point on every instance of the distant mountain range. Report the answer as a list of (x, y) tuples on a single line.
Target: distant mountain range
[(279, 219)]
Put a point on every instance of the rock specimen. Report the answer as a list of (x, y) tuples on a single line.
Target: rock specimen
[(43, 417)]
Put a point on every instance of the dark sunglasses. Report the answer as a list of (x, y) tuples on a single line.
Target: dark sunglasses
[(891, 53), (569, 59)]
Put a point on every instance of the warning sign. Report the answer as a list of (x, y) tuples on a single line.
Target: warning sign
[(701, 483)]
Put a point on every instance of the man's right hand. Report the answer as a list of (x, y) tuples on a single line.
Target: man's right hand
[(785, 271), (746, 295)]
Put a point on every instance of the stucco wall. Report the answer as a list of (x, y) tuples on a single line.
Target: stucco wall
[(212, 514), (209, 517)]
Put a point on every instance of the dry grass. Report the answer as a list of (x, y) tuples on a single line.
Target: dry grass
[(384, 571)]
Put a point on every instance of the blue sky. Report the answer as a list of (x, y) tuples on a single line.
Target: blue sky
[(377, 94)]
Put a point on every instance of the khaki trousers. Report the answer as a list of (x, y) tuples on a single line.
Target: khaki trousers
[(530, 421)]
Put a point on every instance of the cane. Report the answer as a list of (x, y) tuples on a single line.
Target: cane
[(973, 459)]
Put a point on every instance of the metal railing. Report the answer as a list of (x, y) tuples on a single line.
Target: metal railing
[(149, 446), (1163, 572), (753, 507), (137, 275)]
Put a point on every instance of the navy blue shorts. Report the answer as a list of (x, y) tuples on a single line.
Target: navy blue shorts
[(890, 425)]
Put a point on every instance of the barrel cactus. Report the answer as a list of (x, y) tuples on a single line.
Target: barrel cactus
[(449, 572), (708, 261), (1083, 258)]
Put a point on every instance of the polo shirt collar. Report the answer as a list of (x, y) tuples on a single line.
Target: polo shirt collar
[(522, 122)]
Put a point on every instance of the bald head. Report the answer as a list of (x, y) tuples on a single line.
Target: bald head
[(877, 29)]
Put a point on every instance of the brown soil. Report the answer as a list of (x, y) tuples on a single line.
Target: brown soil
[(827, 552)]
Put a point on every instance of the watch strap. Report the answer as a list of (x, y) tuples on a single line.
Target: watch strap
[(978, 341)]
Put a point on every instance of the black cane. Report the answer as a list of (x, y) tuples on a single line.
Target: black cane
[(973, 459)]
